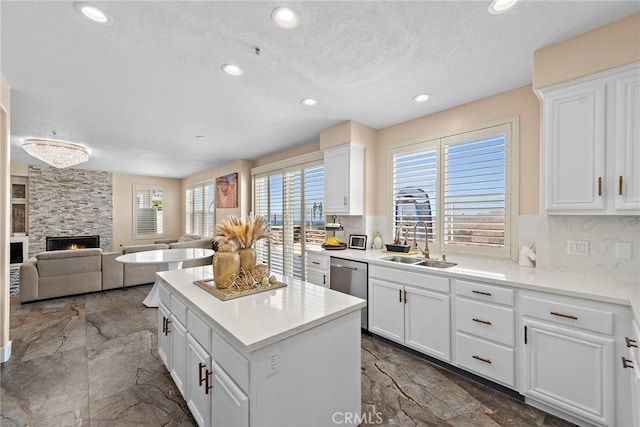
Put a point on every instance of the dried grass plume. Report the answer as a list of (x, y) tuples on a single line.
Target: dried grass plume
[(243, 233)]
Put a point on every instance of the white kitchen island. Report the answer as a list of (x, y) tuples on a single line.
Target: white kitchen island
[(284, 357)]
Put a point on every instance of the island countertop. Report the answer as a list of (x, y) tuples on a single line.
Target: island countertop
[(258, 320)]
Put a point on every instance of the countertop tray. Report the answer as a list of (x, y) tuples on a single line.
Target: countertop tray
[(231, 292), (335, 247)]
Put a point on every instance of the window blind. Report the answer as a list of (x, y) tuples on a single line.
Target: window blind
[(199, 209), (148, 212)]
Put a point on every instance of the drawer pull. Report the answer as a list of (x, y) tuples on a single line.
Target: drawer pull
[(201, 378), (630, 342), (400, 295), (599, 186), (405, 297), (482, 359), (626, 363), (620, 185), (481, 293), (324, 279), (486, 322), (315, 262), (166, 326), (566, 316)]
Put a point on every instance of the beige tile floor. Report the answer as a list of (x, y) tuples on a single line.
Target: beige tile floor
[(91, 360)]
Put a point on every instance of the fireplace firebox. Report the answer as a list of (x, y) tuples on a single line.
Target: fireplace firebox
[(72, 242)]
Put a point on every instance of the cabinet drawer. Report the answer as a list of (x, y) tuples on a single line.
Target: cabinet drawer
[(487, 359), (200, 331), (234, 364), (317, 261), (165, 295), (483, 292), (582, 317), (487, 321), (419, 280), (178, 309)]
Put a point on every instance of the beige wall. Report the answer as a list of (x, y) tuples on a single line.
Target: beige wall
[(19, 169), (609, 46), (288, 154), (521, 102), (5, 176), (123, 208), (243, 167)]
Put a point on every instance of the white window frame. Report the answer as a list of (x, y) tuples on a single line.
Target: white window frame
[(161, 227), (436, 245), (211, 208)]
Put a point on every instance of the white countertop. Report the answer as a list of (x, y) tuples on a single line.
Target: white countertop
[(506, 272), (258, 320)]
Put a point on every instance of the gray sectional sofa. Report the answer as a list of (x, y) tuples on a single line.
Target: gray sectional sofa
[(71, 272)]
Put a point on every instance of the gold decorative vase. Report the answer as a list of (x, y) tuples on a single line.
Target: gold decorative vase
[(226, 264), (247, 259)]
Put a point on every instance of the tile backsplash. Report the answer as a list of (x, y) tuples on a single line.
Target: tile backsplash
[(551, 234)]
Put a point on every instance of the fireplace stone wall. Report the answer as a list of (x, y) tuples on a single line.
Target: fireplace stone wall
[(69, 202)]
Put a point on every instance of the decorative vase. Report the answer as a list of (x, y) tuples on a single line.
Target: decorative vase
[(377, 241), (247, 259), (226, 264)]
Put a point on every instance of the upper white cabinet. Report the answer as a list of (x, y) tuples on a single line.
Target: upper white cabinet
[(591, 144), (344, 180)]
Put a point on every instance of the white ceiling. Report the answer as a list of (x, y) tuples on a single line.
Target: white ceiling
[(138, 91)]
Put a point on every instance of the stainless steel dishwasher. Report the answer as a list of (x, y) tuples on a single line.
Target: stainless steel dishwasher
[(351, 277)]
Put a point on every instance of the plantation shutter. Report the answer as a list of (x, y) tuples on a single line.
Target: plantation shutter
[(188, 214), (148, 213), (476, 202), (314, 206), (293, 223), (415, 192), (261, 207), (208, 208), (199, 209)]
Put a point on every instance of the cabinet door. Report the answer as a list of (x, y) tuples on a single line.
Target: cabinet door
[(230, 406), (386, 309), (336, 181), (178, 354), (198, 377), (164, 341), (317, 278), (570, 370), (627, 144), (574, 147), (427, 322)]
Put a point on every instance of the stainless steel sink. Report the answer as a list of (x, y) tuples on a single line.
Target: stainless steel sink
[(435, 263), (420, 261), (402, 259)]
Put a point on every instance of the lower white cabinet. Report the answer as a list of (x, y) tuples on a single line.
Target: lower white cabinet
[(198, 394), (631, 363), (230, 406), (416, 316), (317, 268), (569, 357)]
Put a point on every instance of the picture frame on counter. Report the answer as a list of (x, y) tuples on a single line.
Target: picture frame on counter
[(358, 241)]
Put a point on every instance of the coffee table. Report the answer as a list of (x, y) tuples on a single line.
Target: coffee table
[(165, 259)]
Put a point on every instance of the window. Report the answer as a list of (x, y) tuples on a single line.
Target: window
[(148, 218), (459, 187), (199, 209), (292, 199)]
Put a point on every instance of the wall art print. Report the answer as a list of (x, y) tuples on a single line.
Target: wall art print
[(227, 191)]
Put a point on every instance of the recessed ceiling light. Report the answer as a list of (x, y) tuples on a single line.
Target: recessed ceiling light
[(200, 137), (232, 70), (94, 13), (285, 17), (422, 97), (500, 6), (309, 101)]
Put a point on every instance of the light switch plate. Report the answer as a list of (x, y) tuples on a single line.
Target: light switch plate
[(623, 250), (578, 247)]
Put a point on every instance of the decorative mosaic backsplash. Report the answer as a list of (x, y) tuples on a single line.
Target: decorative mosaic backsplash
[(69, 202)]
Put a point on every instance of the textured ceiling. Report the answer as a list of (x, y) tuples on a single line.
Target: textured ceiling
[(138, 91)]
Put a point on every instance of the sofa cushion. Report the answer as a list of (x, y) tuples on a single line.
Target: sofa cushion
[(189, 237), (143, 248), (60, 263)]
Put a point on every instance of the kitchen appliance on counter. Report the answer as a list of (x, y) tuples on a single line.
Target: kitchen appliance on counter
[(351, 277)]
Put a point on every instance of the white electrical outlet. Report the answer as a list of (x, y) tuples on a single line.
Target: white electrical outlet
[(272, 363), (578, 247)]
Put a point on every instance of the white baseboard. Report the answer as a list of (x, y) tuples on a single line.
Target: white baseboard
[(5, 352)]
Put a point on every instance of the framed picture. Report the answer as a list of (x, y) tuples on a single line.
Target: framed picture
[(227, 191), (357, 241)]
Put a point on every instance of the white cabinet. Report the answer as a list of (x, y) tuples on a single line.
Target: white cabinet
[(198, 382), (569, 357), (344, 180), (485, 331), (588, 125), (317, 268), (632, 364), (230, 406), (412, 309), (164, 341)]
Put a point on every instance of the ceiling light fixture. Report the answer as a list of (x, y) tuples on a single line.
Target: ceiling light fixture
[(200, 137), (422, 97), (500, 6), (59, 154), (232, 70), (285, 17), (94, 13), (309, 101)]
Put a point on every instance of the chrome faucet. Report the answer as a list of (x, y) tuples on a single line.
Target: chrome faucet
[(424, 252)]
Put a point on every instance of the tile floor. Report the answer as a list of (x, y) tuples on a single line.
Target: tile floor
[(91, 360)]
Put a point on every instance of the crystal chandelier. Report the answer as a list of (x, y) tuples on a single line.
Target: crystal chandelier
[(59, 154)]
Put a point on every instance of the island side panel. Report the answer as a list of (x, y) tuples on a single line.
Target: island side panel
[(317, 378)]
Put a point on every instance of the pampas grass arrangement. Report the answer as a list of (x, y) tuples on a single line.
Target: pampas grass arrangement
[(244, 234)]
